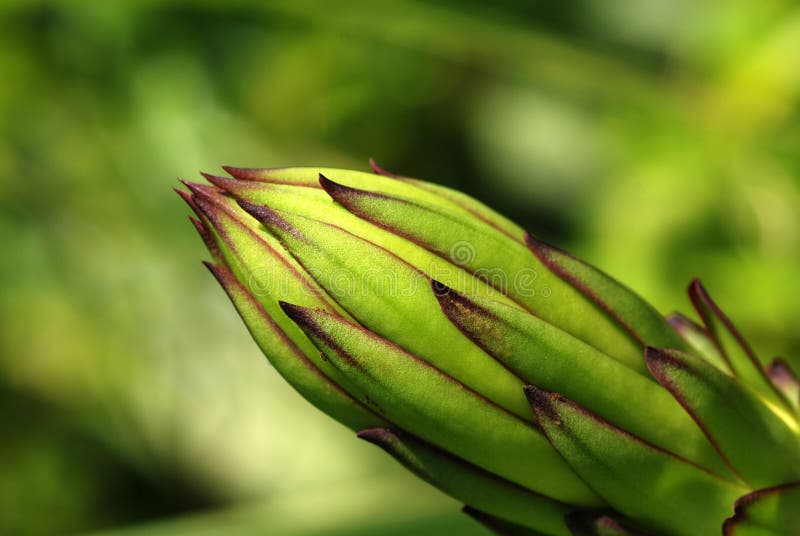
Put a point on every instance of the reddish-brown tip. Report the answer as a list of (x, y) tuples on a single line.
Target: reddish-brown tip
[(268, 217), (248, 174), (378, 436), (541, 249), (334, 189), (379, 170), (441, 291), (543, 404), (222, 274)]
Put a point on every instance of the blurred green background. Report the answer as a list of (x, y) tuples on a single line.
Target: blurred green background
[(658, 139)]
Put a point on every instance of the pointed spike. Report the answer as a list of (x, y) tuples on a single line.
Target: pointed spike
[(661, 491), (784, 378), (247, 173), (189, 199), (208, 240), (468, 483), (637, 317), (730, 343), (295, 367), (269, 218), (379, 170), (736, 422), (186, 196), (201, 190), (409, 392), (774, 510), (699, 340), (334, 189), (223, 183)]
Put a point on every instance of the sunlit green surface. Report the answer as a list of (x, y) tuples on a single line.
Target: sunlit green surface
[(659, 140)]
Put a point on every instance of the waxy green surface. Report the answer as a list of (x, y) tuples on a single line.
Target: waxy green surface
[(753, 439), (297, 369), (471, 485), (545, 356), (658, 489), (435, 407)]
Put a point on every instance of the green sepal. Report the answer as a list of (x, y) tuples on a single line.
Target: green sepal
[(470, 484), (290, 362), (309, 177), (385, 294), (599, 523), (470, 204), (498, 526), (435, 407), (491, 255), (551, 359), (755, 441), (698, 340), (316, 204), (772, 511), (201, 225), (261, 264), (661, 491), (785, 380), (386, 183), (637, 317), (740, 357)]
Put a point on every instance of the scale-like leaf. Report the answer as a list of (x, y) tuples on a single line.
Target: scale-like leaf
[(656, 488), (491, 255), (751, 437), (551, 359), (471, 485), (472, 205), (772, 511), (392, 298), (435, 407), (698, 340), (740, 357), (317, 205), (290, 361), (259, 263), (635, 315)]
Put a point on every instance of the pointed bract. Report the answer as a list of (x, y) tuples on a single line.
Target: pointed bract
[(390, 297), (752, 438), (551, 359), (481, 249), (599, 523), (740, 357), (435, 407), (698, 340), (469, 484), (785, 380), (659, 490), (646, 325), (501, 527), (290, 361), (771, 511), (418, 313)]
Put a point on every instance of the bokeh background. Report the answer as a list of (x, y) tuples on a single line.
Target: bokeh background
[(658, 139)]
